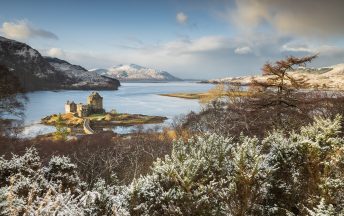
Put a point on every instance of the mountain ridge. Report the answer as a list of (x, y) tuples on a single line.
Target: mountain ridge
[(134, 72)]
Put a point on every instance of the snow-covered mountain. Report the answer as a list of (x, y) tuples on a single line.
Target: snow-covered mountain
[(38, 73), (135, 72), (331, 77)]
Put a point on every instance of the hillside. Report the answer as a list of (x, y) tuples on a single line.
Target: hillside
[(79, 77), (135, 72), (38, 73), (331, 77)]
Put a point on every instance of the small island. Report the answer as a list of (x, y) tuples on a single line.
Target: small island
[(83, 115)]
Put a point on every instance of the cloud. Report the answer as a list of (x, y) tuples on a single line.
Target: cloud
[(243, 50), (323, 50), (23, 30), (315, 18), (181, 18), (204, 57), (56, 52), (292, 47), (198, 45)]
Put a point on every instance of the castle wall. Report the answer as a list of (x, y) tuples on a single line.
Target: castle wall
[(67, 108), (83, 110), (70, 107)]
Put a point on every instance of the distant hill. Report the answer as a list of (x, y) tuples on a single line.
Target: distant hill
[(137, 73), (36, 72), (331, 77)]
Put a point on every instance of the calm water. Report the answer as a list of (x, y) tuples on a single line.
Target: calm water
[(140, 98)]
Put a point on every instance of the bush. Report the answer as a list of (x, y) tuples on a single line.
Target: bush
[(297, 174), (212, 175)]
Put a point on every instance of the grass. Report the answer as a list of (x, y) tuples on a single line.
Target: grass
[(65, 119)]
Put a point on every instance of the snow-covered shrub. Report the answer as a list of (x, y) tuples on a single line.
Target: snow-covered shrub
[(212, 175), (26, 165), (323, 209), (209, 175), (306, 166), (295, 174), (29, 188), (55, 203), (64, 173), (21, 180)]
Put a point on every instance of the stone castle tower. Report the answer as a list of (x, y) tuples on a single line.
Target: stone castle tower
[(96, 102), (94, 105)]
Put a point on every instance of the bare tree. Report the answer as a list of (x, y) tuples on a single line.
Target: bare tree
[(278, 100)]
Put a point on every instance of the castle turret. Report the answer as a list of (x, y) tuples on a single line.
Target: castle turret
[(70, 107)]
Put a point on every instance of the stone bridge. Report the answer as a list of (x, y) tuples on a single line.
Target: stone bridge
[(87, 127)]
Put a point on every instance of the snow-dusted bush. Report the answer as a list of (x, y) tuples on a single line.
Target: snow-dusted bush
[(324, 210), (28, 188), (306, 166), (211, 175), (26, 165), (299, 173), (61, 171)]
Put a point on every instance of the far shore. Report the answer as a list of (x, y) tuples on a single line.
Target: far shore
[(200, 95)]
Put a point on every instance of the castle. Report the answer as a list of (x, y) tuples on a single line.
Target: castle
[(94, 105)]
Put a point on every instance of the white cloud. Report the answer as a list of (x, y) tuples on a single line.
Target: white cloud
[(204, 57), (316, 18), (56, 52), (22, 30), (181, 18), (323, 50), (243, 50), (198, 45), (291, 47)]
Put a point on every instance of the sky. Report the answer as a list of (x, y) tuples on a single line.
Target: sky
[(199, 39)]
